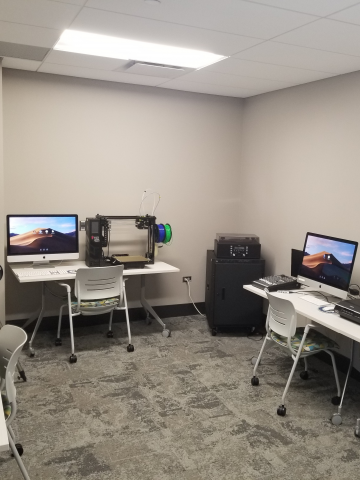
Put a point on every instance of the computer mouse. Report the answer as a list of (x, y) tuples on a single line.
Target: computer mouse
[(327, 308)]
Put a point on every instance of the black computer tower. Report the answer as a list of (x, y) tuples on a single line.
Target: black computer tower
[(227, 304)]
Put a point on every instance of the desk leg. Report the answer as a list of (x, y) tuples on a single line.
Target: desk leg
[(39, 320), (32, 319), (166, 332), (336, 418)]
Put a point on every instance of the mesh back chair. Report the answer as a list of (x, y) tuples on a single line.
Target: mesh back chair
[(12, 340), (300, 343), (97, 290)]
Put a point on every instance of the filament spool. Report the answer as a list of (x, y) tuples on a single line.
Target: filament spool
[(168, 233), (160, 233)]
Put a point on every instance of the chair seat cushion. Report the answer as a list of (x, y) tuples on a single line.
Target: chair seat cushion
[(6, 406), (105, 302), (314, 341)]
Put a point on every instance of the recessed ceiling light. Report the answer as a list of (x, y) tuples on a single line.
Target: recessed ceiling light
[(124, 49)]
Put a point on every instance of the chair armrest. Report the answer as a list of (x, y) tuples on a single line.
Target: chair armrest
[(65, 285)]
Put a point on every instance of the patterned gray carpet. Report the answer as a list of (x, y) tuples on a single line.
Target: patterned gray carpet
[(178, 408)]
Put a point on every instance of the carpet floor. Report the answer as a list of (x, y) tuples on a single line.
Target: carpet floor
[(177, 408)]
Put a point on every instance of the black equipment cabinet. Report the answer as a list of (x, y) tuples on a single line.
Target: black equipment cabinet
[(227, 304)]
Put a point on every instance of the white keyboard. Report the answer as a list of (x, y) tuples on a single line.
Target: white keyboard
[(316, 301), (42, 273)]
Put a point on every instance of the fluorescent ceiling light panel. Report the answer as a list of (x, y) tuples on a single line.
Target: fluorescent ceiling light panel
[(114, 47)]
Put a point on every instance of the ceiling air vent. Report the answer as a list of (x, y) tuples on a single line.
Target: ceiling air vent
[(155, 70)]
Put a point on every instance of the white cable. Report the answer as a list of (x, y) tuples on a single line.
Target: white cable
[(148, 195), (188, 284)]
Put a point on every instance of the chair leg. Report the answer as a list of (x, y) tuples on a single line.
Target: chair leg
[(282, 410), (130, 348), (18, 458), (110, 333), (73, 357), (255, 380), (11, 432)]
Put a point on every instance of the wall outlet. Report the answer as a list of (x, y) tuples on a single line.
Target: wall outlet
[(186, 279)]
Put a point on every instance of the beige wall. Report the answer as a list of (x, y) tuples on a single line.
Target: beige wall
[(84, 146), (301, 168)]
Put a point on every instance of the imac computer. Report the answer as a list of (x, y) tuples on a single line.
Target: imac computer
[(327, 264), (42, 238)]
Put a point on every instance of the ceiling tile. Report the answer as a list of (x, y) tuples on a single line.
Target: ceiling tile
[(235, 66), (350, 15), (209, 89), (313, 7), (99, 74), (215, 78), (28, 35), (106, 23), (26, 52), (301, 57), (84, 61), (71, 2), (40, 13), (328, 35), (237, 17), (20, 64)]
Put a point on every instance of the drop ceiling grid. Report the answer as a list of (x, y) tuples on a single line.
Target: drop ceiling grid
[(272, 44)]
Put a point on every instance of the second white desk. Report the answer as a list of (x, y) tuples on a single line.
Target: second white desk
[(332, 321)]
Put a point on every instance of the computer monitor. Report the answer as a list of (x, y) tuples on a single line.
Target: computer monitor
[(42, 238), (327, 264)]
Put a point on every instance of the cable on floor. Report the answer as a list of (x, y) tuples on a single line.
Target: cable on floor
[(188, 284)]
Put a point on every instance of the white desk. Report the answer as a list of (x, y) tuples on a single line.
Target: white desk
[(156, 268), (4, 442), (331, 321)]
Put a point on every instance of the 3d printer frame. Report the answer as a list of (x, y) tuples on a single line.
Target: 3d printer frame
[(146, 222)]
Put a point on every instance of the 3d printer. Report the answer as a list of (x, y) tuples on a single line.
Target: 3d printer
[(98, 236)]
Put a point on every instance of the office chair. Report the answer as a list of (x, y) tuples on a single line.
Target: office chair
[(281, 329), (12, 340), (97, 290)]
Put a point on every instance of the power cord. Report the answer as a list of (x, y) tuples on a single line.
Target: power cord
[(188, 284)]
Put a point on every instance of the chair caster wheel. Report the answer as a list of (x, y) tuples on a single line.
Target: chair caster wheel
[(357, 432), (255, 381), (304, 375), (148, 321), (19, 448), (213, 332), (130, 348), (32, 353), (58, 342), (336, 400), (336, 419), (166, 333), (281, 411), (73, 358), (110, 334)]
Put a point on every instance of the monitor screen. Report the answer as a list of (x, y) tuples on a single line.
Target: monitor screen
[(42, 237), (327, 263)]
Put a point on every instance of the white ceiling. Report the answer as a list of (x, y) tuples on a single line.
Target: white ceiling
[(271, 44)]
